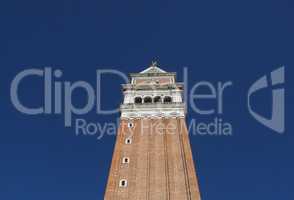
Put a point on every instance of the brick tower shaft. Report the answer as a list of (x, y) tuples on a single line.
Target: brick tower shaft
[(152, 159)]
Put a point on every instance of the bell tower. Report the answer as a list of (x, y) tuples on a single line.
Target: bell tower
[(152, 159)]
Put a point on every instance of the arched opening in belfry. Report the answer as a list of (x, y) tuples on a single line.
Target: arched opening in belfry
[(147, 100), (157, 99), (138, 100), (167, 99)]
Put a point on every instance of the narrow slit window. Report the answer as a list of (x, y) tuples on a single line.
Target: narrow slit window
[(126, 160), (128, 141), (130, 125), (123, 183)]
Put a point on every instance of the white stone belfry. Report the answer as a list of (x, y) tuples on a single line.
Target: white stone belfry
[(152, 93)]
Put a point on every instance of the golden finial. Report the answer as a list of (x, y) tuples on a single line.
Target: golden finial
[(154, 64)]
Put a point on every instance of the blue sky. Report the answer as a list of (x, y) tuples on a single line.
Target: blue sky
[(237, 41)]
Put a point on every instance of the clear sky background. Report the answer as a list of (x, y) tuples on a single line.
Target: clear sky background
[(227, 40)]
